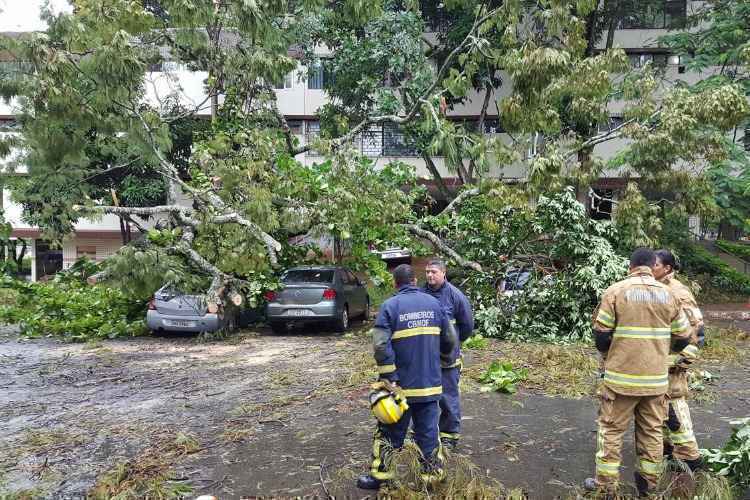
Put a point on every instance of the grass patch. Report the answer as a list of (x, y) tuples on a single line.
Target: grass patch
[(569, 371), (43, 442), (463, 479), (677, 483), (722, 345), (148, 475), (355, 369), (32, 494), (284, 378)]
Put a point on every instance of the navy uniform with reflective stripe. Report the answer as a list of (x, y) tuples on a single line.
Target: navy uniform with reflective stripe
[(410, 334), (458, 309)]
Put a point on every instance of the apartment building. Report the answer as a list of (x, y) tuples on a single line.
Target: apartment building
[(300, 96)]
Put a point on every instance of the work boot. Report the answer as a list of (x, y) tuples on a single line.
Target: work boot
[(589, 484), (695, 465), (449, 444), (367, 482), (641, 485), (668, 449)]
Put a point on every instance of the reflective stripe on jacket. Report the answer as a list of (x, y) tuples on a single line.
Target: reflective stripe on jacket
[(412, 331), (644, 317)]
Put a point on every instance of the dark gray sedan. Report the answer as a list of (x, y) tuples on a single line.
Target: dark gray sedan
[(329, 294)]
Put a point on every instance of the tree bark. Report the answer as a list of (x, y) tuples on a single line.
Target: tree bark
[(442, 187)]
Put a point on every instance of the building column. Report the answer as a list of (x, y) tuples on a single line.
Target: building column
[(32, 254)]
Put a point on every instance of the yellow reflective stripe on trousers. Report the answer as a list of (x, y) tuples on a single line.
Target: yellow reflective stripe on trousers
[(627, 380), (427, 391), (604, 467), (607, 468), (377, 462), (690, 351), (605, 319), (681, 437), (450, 435), (649, 467), (642, 332), (411, 332), (386, 369)]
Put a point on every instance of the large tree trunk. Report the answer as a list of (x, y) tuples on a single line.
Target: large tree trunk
[(442, 187)]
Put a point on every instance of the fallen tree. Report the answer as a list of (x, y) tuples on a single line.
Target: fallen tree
[(234, 190)]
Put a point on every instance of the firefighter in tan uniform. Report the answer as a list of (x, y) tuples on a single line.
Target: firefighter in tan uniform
[(679, 439), (636, 324)]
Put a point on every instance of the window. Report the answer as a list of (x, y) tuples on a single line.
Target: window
[(316, 77), (88, 251), (492, 127), (308, 276), (295, 126), (655, 14), (395, 142), (640, 59), (285, 82)]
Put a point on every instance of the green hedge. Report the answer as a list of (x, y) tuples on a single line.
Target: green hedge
[(697, 260), (737, 249), (70, 308)]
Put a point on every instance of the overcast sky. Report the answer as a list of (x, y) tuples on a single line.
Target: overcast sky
[(23, 15)]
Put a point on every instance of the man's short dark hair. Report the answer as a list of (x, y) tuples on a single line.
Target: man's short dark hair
[(403, 275), (667, 258), (436, 262), (642, 257)]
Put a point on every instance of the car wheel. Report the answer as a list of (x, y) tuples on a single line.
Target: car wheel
[(278, 327), (366, 313), (231, 324), (342, 322)]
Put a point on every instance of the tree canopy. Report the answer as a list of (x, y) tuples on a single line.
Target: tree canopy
[(544, 70)]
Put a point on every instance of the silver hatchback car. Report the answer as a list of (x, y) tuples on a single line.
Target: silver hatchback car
[(329, 294), (172, 310)]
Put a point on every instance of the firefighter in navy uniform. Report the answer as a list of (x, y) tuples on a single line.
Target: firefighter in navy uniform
[(410, 338), (458, 309)]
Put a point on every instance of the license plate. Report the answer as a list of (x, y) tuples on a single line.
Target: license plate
[(299, 312), (393, 255), (180, 323)]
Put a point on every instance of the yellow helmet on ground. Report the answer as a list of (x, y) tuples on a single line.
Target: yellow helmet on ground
[(387, 405)]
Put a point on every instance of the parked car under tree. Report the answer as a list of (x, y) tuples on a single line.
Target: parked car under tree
[(317, 294), (172, 310)]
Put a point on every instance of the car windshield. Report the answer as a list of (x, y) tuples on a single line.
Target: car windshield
[(516, 280), (307, 276)]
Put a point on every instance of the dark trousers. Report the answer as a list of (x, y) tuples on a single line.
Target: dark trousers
[(391, 437), (450, 404)]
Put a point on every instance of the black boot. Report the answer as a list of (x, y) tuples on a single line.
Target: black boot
[(589, 484), (449, 444), (641, 485), (695, 465), (367, 482)]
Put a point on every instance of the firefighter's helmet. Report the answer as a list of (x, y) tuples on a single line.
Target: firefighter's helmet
[(388, 406)]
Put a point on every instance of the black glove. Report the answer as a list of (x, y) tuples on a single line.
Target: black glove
[(673, 423)]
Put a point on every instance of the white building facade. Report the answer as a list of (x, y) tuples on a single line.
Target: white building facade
[(300, 96)]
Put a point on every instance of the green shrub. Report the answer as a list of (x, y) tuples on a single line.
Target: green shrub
[(696, 260), (502, 377), (733, 460), (70, 308), (737, 249)]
